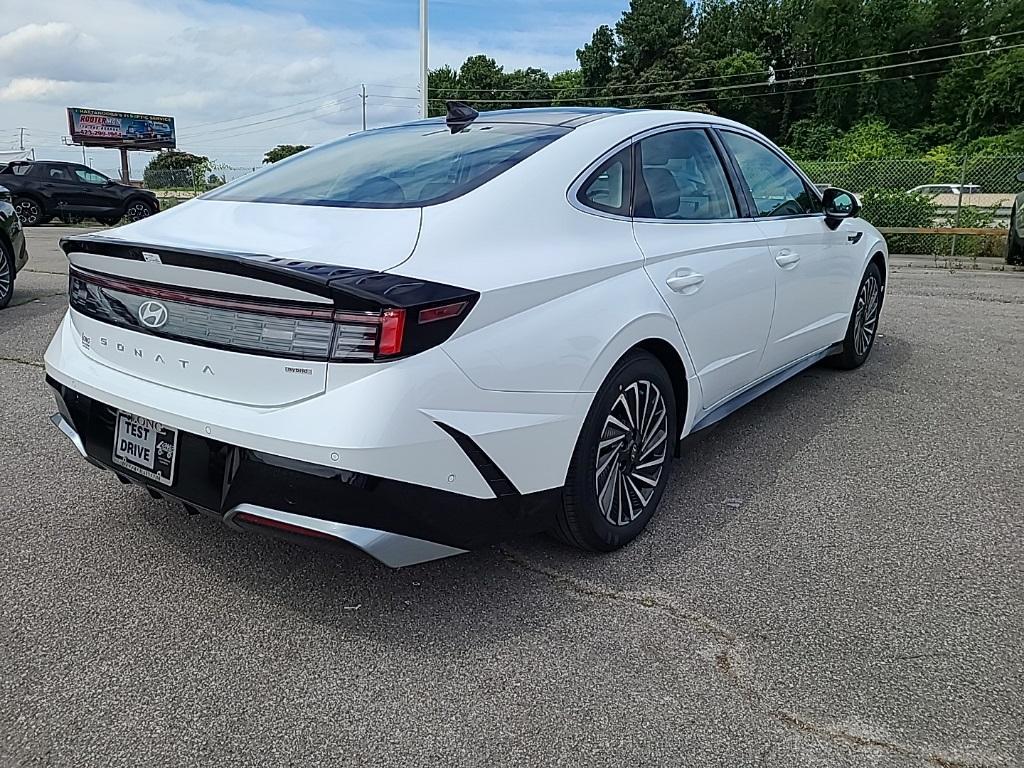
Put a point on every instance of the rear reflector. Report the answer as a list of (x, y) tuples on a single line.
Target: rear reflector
[(266, 522), (441, 313)]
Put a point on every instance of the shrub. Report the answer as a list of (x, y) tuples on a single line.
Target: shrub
[(894, 208)]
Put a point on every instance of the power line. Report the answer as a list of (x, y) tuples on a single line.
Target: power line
[(260, 130), (715, 89), (818, 87), (189, 134), (276, 109), (761, 73)]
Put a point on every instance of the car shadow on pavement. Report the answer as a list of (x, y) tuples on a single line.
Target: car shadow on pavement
[(491, 594)]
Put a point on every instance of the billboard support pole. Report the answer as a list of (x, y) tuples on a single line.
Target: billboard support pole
[(124, 165)]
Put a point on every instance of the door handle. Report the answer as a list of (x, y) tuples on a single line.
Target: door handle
[(855, 237), (787, 259), (685, 282)]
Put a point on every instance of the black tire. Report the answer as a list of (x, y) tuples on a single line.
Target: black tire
[(6, 274), (30, 211), (586, 522), (137, 209), (863, 328)]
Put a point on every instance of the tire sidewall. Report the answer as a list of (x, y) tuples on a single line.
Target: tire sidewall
[(849, 357), (7, 256), (138, 201), (597, 532)]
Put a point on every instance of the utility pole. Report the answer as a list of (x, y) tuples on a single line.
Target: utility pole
[(424, 73), (21, 139), (363, 97)]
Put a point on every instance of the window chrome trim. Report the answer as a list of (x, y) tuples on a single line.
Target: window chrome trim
[(574, 188)]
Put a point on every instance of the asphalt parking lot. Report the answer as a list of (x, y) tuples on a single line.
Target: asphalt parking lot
[(836, 577)]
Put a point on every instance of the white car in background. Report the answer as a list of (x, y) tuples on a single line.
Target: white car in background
[(422, 339), (933, 190)]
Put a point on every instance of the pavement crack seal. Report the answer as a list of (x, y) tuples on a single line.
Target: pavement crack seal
[(729, 661), (20, 361)]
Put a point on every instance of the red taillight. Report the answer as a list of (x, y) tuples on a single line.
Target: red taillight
[(392, 328), (441, 313)]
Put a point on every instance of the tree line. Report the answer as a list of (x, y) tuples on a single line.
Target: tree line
[(829, 79)]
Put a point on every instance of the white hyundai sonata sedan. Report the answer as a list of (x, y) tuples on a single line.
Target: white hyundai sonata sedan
[(423, 339)]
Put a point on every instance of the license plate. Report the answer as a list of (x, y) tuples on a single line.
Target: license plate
[(146, 447)]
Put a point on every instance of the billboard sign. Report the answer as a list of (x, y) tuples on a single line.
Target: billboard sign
[(99, 128)]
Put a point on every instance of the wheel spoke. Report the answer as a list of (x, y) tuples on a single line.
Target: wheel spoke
[(631, 452)]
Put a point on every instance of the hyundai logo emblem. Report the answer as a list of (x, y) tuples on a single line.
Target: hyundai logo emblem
[(153, 314)]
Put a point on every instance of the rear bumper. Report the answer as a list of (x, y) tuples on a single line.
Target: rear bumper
[(397, 522)]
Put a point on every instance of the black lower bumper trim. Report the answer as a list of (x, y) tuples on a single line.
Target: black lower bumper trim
[(217, 477)]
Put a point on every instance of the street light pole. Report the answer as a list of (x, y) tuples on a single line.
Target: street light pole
[(424, 74)]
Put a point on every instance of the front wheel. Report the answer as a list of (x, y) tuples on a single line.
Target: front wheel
[(863, 327), (619, 468), (136, 210)]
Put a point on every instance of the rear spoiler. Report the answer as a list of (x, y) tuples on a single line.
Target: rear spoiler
[(348, 287)]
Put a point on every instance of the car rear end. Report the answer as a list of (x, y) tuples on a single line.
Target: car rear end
[(268, 364)]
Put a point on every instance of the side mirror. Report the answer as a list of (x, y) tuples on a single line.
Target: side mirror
[(839, 204), (1020, 176)]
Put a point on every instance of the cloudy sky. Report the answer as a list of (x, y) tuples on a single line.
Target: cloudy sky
[(241, 76)]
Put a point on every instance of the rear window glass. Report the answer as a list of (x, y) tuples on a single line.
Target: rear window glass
[(18, 169), (401, 167)]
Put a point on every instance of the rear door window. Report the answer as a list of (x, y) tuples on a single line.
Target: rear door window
[(680, 176)]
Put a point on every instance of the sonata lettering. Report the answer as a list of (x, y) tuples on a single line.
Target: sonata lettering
[(141, 353)]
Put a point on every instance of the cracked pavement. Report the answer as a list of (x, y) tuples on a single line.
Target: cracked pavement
[(834, 579)]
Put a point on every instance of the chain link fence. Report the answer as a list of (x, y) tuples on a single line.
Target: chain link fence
[(184, 183), (950, 191)]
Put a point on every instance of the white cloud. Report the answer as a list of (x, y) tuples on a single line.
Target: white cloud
[(208, 62), (34, 89)]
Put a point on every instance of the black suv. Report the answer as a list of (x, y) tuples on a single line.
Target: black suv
[(45, 189)]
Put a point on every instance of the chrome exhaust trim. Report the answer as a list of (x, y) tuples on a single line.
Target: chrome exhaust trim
[(392, 549), (64, 426)]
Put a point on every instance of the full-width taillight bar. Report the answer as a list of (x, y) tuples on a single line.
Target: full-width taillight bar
[(349, 335)]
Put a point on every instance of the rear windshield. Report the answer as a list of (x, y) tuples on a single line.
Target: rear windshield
[(401, 167)]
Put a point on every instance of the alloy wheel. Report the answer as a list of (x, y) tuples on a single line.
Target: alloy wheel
[(865, 321), (631, 453), (6, 275), (137, 211), (28, 212)]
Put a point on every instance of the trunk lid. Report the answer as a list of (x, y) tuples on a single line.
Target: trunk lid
[(245, 292)]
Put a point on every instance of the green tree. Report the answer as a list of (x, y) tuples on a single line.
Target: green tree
[(567, 88), (597, 60), (444, 86), (281, 151), (871, 139), (649, 31), (998, 103), (529, 87), (481, 82)]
